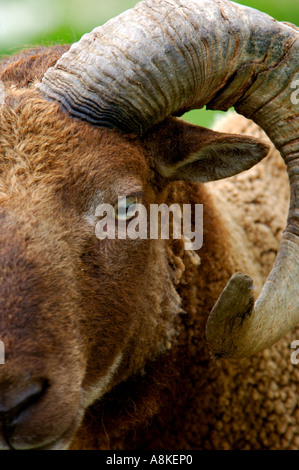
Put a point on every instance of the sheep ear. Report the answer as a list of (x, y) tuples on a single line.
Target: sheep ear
[(187, 152)]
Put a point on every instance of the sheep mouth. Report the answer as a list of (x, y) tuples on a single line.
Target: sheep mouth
[(61, 441)]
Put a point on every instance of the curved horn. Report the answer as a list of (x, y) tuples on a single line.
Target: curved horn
[(165, 57)]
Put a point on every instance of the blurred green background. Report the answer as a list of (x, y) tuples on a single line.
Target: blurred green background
[(24, 23)]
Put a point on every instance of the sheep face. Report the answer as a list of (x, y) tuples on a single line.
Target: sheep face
[(79, 314)]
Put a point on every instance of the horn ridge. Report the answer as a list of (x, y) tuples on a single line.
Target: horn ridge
[(199, 52)]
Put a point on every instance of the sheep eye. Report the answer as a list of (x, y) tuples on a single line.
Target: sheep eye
[(125, 208)]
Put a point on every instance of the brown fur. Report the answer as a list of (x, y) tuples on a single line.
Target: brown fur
[(70, 303), (29, 65)]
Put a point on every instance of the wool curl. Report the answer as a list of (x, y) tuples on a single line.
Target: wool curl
[(184, 399)]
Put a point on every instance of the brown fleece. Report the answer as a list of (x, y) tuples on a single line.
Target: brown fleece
[(168, 393)]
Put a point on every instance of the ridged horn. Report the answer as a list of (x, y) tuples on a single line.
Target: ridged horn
[(165, 57)]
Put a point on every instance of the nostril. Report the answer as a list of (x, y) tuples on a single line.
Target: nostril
[(17, 402)]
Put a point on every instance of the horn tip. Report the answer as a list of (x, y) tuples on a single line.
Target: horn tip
[(234, 306)]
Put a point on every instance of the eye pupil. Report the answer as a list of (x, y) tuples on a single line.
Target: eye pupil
[(121, 209)]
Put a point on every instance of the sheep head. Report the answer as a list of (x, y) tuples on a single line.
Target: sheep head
[(178, 55), (79, 314), (72, 302)]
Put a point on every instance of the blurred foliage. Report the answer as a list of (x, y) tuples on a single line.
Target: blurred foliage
[(24, 23)]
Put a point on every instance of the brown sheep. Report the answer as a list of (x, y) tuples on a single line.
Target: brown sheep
[(106, 345)]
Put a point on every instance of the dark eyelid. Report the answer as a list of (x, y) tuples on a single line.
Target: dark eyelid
[(138, 194)]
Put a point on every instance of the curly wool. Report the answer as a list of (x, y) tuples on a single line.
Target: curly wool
[(184, 399)]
